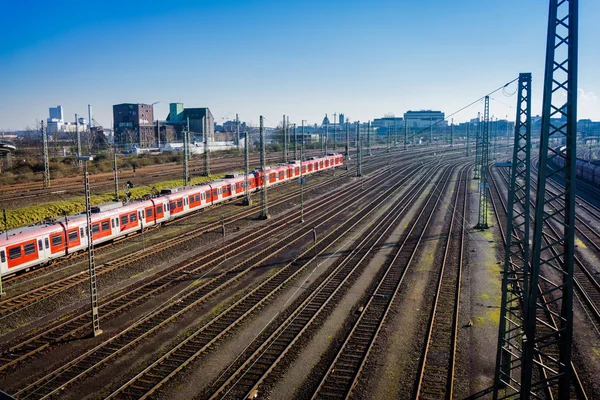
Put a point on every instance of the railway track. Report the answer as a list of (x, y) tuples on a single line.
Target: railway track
[(27, 299), (546, 320), (61, 377), (246, 380), (345, 370), (585, 281), (131, 295), (436, 372)]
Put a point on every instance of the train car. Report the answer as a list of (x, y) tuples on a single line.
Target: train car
[(31, 246)]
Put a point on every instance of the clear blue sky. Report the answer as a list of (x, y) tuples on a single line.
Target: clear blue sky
[(299, 58)]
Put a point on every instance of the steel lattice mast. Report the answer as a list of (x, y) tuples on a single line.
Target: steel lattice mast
[(549, 346), (483, 167), (515, 282), (477, 150)]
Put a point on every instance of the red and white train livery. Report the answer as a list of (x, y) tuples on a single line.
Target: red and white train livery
[(35, 245)]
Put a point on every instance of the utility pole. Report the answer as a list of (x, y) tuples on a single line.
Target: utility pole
[(186, 177), (206, 149), (347, 141), (45, 156), (91, 261), (326, 138), (468, 128), (477, 146), (369, 138), (302, 177), (405, 133), (157, 133), (359, 150), (452, 133), (334, 122), (265, 207), (247, 201), (515, 281), (115, 173), (389, 144), (287, 139), (283, 138), (431, 130), (482, 222), (78, 137), (295, 143), (552, 344), (237, 130)]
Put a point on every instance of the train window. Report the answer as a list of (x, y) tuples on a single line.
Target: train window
[(105, 226), (179, 203), (148, 212), (215, 193), (159, 209), (2, 256), (47, 243), (112, 222), (173, 205), (29, 248), (219, 191), (81, 234), (117, 221), (40, 245), (14, 253), (56, 240), (197, 198), (202, 196), (132, 217), (72, 236), (95, 229), (185, 201), (124, 220)]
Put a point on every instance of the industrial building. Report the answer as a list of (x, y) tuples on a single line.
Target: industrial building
[(134, 124), (424, 118)]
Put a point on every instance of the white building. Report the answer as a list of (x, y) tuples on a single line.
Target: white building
[(424, 119)]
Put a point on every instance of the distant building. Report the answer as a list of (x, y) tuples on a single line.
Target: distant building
[(56, 114), (325, 120), (387, 122), (201, 121), (134, 124), (341, 119), (424, 118)]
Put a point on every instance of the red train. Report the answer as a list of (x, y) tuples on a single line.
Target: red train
[(36, 245)]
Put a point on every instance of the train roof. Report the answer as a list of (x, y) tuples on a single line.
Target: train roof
[(21, 234)]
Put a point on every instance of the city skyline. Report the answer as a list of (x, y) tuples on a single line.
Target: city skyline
[(259, 58)]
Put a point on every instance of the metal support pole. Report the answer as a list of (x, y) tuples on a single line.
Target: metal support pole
[(247, 201), (91, 261), (265, 207), (515, 281), (405, 133), (334, 122), (115, 173), (206, 146), (359, 150), (295, 143), (550, 346), (468, 128), (452, 133), (389, 144), (78, 137), (477, 148), (347, 141), (369, 138), (302, 177), (237, 130), (186, 177), (482, 222), (431, 130), (45, 156), (283, 136), (158, 134), (326, 138)]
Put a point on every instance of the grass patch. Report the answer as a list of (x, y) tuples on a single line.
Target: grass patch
[(58, 209)]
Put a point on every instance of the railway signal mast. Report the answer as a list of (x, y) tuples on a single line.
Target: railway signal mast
[(483, 167), (515, 280), (551, 288), (46, 158), (264, 214), (91, 260)]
